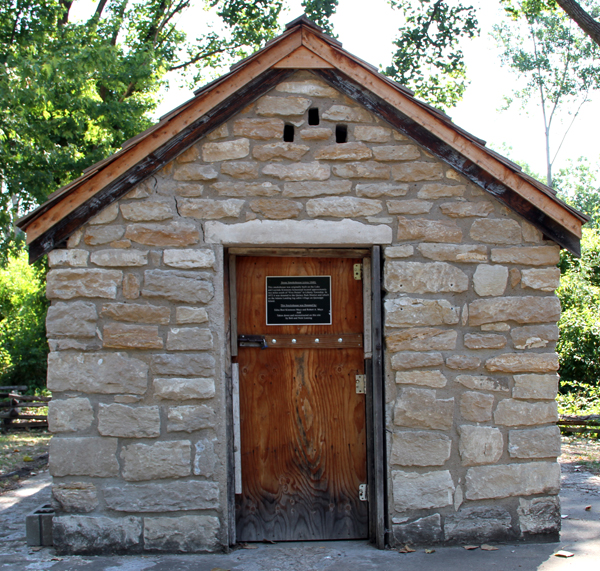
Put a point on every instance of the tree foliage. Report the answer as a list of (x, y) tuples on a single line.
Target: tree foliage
[(578, 184)]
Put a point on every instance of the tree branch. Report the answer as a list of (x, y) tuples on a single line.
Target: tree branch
[(590, 26)]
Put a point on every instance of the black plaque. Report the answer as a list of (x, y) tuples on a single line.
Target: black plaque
[(298, 300)]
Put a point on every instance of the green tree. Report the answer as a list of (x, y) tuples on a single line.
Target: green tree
[(578, 184)]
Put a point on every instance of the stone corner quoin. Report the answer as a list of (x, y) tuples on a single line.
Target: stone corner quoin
[(138, 364)]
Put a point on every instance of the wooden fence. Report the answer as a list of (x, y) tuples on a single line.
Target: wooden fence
[(18, 412), (584, 425)]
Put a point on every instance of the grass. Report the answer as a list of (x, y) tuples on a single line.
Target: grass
[(19, 452), (581, 452)]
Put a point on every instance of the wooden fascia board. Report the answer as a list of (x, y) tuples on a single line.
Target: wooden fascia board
[(457, 141), (157, 138)]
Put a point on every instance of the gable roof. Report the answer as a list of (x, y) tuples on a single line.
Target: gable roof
[(303, 45)]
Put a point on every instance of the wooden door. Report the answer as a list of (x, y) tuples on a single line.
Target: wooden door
[(303, 434)]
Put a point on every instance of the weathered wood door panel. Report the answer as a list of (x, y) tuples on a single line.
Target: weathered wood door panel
[(303, 435)]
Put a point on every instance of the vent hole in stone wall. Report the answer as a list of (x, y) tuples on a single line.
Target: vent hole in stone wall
[(288, 133), (341, 133), (313, 116)]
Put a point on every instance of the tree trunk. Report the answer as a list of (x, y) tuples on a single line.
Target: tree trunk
[(590, 26)]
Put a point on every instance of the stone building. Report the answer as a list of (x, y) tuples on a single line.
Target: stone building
[(304, 305)]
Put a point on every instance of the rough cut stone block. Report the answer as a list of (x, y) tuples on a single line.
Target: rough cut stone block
[(367, 169), (131, 286), (244, 170), (277, 208), (527, 309), (309, 87), (405, 251), (147, 210), (345, 113), (476, 525), (496, 384), (171, 497), (417, 171), (77, 319), (535, 443), (245, 189), (121, 336), (185, 534), (279, 150), (452, 253), (271, 106), (70, 258), (534, 336), (419, 408), (463, 362), (163, 235), (476, 407), (75, 534), (372, 134), (409, 206), (494, 231), (104, 373), (202, 364), (316, 134), (189, 259), (96, 457), (106, 215), (118, 258), (377, 189), (547, 279), (415, 277), (531, 233), (421, 339), (189, 339), (490, 280), (344, 152), (70, 415), (414, 491), (205, 458), (437, 190), (262, 129), (539, 515), (184, 389), (342, 207), (484, 341), (97, 235), (67, 284), (177, 286), (136, 312), (190, 156), (416, 229), (208, 209), (194, 172), (523, 363), (185, 315), (308, 189), (543, 387), (480, 445), (424, 378), (157, 460), (405, 312), (466, 209), (486, 482), (501, 326), (190, 418), (396, 153), (225, 151), (517, 413), (420, 449), (128, 422), (424, 531), (412, 360), (298, 171), (529, 256), (74, 497)]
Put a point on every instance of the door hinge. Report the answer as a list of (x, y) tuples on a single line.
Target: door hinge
[(361, 384), (363, 491), (358, 272)]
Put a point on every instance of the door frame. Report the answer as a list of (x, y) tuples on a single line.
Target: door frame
[(373, 349)]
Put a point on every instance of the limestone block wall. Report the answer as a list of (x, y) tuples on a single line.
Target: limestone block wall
[(139, 360)]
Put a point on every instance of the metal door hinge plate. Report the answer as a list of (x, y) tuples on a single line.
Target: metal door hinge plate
[(358, 271), (361, 384), (363, 492)]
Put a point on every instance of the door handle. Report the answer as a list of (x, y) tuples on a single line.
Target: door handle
[(252, 341)]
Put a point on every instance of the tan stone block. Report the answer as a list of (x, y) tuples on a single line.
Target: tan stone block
[(367, 169), (128, 421), (543, 387), (309, 189), (120, 244), (156, 461), (219, 133), (405, 312), (378, 189), (528, 256), (190, 190), (189, 259), (344, 152), (106, 215), (523, 363), (437, 190), (477, 524), (187, 287), (121, 336), (466, 209), (309, 87), (298, 172), (244, 189), (223, 151), (119, 258), (244, 170), (189, 339), (372, 134), (131, 286), (463, 362), (181, 534), (405, 251), (316, 134), (422, 448), (421, 339), (164, 235), (342, 207), (501, 326), (67, 284), (531, 233), (546, 279), (414, 490), (539, 515), (185, 315), (494, 231), (194, 172), (511, 412), (482, 341), (527, 309), (147, 210), (277, 208), (96, 534), (488, 482), (77, 319), (142, 190), (490, 280), (70, 415), (183, 389), (480, 445), (190, 155), (98, 235), (496, 384), (94, 456), (399, 136), (433, 379), (416, 277), (413, 360), (418, 171), (534, 443), (74, 497), (190, 418), (396, 153), (69, 258), (453, 175), (453, 253), (279, 150), (534, 336), (262, 129), (476, 407), (419, 408), (208, 209), (428, 230), (136, 313), (268, 106), (347, 114), (515, 277), (409, 206)]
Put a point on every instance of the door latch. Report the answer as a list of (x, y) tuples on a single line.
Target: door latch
[(361, 384), (363, 491), (252, 341), (358, 271)]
